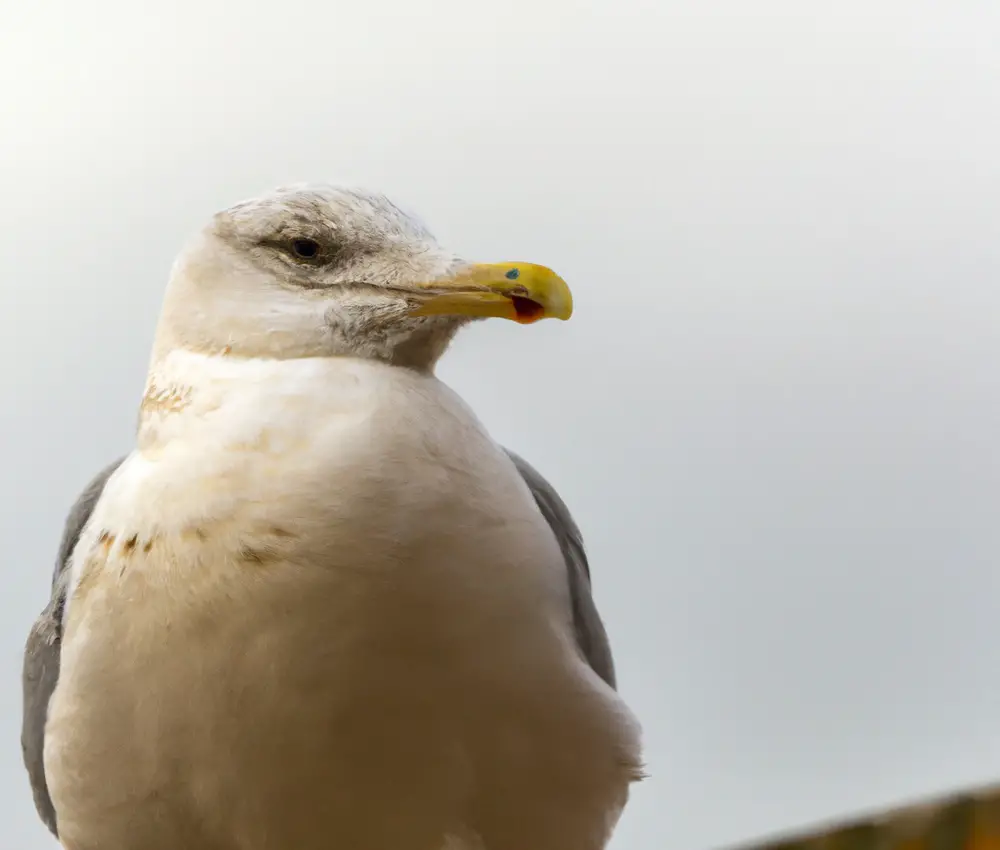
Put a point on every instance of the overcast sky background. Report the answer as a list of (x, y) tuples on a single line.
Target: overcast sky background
[(774, 414)]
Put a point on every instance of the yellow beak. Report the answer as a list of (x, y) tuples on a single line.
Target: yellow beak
[(522, 292)]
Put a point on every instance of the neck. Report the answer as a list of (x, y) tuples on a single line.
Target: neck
[(225, 401)]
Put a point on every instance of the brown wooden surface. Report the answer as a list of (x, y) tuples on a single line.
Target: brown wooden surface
[(967, 820)]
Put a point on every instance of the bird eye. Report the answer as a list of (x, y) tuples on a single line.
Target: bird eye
[(305, 249)]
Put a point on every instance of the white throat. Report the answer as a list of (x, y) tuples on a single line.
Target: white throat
[(235, 402)]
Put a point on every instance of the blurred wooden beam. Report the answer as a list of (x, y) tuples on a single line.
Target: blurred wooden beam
[(968, 820)]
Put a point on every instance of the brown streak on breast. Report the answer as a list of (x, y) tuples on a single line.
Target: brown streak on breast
[(255, 556), (171, 399), (90, 573)]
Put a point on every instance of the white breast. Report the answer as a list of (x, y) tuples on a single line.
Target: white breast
[(320, 583), (243, 444)]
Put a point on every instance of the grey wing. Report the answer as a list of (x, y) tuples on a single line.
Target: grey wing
[(41, 653), (590, 633)]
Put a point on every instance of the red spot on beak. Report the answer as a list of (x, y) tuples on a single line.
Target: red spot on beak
[(527, 311)]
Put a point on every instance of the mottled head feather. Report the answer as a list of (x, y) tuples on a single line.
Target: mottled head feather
[(308, 270)]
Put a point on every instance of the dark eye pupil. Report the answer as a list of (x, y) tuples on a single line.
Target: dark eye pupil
[(306, 248)]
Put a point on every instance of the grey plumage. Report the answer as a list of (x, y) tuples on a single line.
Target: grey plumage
[(590, 633), (41, 654), (41, 657)]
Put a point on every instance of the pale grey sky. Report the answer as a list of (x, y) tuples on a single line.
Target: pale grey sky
[(774, 415)]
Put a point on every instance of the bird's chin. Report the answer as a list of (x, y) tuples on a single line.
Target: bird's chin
[(424, 339), (387, 331), (446, 324)]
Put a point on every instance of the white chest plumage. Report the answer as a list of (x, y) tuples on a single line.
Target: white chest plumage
[(317, 608)]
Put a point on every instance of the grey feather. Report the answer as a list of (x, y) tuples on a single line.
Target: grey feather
[(41, 657), (590, 633), (41, 653)]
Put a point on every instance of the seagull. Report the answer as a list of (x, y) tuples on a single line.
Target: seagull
[(317, 606)]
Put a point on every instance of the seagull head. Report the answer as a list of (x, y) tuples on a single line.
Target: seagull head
[(317, 270)]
